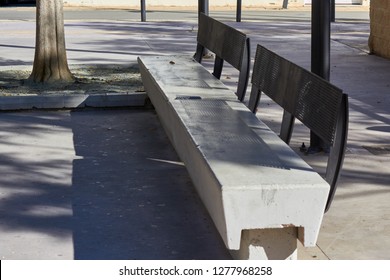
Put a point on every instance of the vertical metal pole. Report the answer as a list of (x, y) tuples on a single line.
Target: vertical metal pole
[(143, 11), (320, 38), (285, 4), (203, 6), (320, 52), (238, 11), (333, 10)]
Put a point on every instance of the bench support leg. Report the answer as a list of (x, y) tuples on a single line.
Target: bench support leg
[(268, 244)]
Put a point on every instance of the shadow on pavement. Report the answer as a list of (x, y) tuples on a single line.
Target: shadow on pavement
[(132, 198), (97, 184)]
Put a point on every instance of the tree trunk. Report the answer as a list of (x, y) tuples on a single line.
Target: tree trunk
[(50, 61)]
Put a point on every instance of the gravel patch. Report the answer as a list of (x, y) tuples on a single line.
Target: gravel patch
[(90, 79)]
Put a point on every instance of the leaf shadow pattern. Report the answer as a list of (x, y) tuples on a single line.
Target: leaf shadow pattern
[(97, 184)]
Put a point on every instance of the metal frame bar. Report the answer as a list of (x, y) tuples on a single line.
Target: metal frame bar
[(337, 152)]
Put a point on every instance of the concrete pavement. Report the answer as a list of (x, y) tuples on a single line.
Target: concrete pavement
[(97, 184), (65, 207)]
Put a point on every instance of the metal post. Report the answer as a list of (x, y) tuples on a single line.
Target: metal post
[(203, 6), (238, 11), (320, 38), (143, 11), (320, 53), (285, 4), (333, 10)]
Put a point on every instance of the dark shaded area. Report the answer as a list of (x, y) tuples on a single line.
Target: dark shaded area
[(378, 150), (132, 199), (129, 196), (17, 2), (89, 79)]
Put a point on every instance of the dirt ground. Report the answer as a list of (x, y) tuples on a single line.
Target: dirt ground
[(98, 79)]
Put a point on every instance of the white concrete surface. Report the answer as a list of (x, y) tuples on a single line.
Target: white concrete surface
[(264, 244), (247, 177)]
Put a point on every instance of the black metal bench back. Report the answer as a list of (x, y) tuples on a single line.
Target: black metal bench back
[(319, 105), (228, 44)]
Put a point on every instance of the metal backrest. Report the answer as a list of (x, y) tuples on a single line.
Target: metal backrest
[(228, 44), (319, 105)]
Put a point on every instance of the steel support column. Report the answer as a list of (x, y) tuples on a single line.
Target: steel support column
[(203, 6), (238, 10), (332, 10), (320, 53), (143, 11)]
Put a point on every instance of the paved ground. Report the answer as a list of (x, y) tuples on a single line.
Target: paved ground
[(100, 184), (65, 174)]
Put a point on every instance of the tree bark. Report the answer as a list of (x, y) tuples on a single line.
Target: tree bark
[(50, 61)]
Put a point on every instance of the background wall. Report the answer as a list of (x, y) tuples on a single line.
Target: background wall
[(380, 27)]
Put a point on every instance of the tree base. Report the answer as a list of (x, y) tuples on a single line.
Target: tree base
[(43, 78), (50, 61)]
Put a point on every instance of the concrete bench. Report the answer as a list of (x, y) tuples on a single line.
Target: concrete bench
[(260, 194), (315, 102)]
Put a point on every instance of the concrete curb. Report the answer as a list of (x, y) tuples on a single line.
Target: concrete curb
[(10, 103)]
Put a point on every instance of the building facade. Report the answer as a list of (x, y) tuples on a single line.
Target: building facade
[(379, 42)]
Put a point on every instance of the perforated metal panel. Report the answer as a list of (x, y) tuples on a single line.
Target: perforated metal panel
[(270, 74), (318, 104), (309, 98), (223, 40)]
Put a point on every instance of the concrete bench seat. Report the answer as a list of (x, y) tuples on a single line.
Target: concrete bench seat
[(260, 194)]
